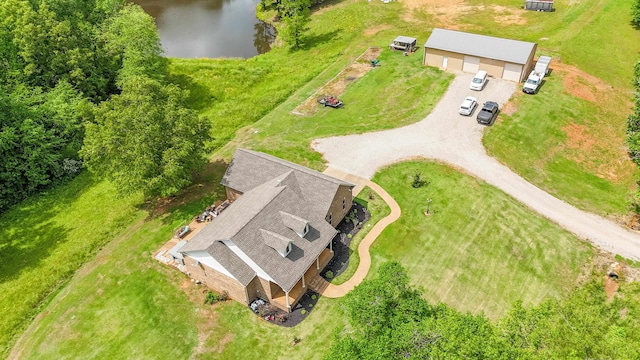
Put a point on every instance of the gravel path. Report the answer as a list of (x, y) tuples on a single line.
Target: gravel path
[(446, 136)]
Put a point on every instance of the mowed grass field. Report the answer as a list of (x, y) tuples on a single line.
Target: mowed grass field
[(471, 267), (480, 250)]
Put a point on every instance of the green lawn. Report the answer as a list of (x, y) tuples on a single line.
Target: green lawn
[(572, 148), (481, 250), (46, 239), (378, 210), (123, 305), (486, 252), (400, 92)]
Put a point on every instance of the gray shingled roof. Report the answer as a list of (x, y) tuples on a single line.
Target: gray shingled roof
[(258, 211), (508, 50), (249, 169)]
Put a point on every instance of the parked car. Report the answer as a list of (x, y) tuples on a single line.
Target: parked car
[(478, 81), (488, 113), (468, 106)]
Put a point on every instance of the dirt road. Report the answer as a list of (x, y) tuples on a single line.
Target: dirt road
[(446, 136)]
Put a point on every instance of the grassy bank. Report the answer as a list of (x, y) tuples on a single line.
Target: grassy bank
[(480, 250), (46, 239)]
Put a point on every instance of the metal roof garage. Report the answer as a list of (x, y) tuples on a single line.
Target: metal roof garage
[(501, 58)]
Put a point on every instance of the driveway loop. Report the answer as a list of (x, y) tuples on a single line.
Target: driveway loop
[(457, 140)]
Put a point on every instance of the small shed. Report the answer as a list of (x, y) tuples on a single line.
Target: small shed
[(461, 51), (539, 5), (404, 43)]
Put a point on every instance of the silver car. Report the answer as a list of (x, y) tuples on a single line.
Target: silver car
[(468, 105)]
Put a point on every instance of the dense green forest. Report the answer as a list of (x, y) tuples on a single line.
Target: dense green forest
[(84, 84), (391, 320)]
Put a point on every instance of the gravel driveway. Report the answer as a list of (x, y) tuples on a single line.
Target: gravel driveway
[(446, 136)]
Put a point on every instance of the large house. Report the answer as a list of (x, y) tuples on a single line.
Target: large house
[(275, 235)]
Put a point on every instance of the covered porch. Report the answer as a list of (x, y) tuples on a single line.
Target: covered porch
[(281, 299)]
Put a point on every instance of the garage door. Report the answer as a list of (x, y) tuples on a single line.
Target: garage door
[(512, 72), (471, 64)]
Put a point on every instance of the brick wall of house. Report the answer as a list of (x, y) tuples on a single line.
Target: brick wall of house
[(258, 287), (336, 209), (233, 195), (216, 280)]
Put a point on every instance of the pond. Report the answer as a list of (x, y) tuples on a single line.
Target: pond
[(209, 28)]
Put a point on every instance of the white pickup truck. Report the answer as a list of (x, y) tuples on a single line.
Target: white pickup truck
[(537, 74)]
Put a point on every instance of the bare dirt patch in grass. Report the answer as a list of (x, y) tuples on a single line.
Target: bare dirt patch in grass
[(509, 108), (582, 85), (508, 15), (610, 287), (337, 85), (579, 138), (376, 29), (446, 12)]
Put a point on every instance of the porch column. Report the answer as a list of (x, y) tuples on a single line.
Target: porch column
[(331, 246), (303, 285), (318, 263), (286, 294)]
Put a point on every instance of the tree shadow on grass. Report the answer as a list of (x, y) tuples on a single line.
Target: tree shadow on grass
[(200, 97), (29, 235), (205, 190), (312, 41)]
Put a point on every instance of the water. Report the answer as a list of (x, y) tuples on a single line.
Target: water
[(209, 28)]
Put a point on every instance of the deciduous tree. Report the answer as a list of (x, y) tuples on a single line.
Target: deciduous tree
[(145, 139)]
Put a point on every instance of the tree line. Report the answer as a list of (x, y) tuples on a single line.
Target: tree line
[(390, 320), (84, 84)]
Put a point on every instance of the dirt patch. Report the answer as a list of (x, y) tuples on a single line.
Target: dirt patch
[(337, 85), (610, 287), (223, 342), (578, 137), (376, 29), (580, 84), (509, 109), (445, 13)]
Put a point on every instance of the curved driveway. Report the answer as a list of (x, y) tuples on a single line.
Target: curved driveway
[(446, 136)]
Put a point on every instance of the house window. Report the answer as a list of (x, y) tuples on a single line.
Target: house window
[(288, 249), (306, 229), (330, 219), (344, 203)]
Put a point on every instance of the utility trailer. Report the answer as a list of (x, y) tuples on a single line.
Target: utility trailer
[(538, 73), (539, 5)]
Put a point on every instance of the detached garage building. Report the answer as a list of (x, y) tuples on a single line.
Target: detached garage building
[(501, 58)]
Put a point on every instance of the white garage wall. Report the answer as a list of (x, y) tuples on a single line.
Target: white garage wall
[(471, 64), (512, 72)]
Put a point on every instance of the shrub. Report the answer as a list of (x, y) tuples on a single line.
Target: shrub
[(212, 298), (303, 311), (418, 181), (313, 297), (329, 274)]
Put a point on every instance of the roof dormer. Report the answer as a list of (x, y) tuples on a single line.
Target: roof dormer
[(277, 242), (299, 225)]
